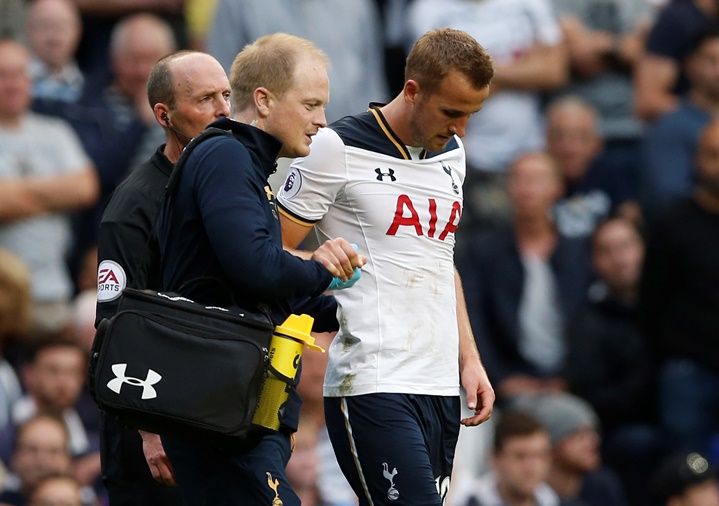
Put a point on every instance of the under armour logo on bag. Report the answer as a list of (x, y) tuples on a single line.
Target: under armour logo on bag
[(381, 175), (148, 392)]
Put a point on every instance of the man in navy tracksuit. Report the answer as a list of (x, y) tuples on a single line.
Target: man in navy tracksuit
[(220, 244)]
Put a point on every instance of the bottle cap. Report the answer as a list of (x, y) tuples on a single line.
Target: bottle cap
[(299, 327)]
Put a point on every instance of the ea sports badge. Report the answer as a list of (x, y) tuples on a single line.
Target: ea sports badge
[(111, 280)]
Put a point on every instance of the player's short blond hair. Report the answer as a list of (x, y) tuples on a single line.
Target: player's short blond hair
[(270, 62)]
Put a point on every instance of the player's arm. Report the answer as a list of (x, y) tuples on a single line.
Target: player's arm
[(337, 255), (293, 233), (480, 394)]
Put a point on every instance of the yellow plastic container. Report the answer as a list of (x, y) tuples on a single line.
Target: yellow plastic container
[(288, 343)]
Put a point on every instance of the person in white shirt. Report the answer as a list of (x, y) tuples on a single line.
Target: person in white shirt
[(390, 181)]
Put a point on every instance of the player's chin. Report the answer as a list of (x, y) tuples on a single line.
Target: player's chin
[(439, 143)]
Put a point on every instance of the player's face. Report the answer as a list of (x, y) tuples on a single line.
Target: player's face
[(438, 116), (202, 93), (297, 115)]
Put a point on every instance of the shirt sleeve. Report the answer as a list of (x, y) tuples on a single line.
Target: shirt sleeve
[(124, 247), (314, 182)]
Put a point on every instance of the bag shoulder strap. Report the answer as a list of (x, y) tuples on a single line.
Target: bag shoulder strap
[(208, 133)]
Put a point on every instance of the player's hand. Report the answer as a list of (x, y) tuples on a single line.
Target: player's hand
[(156, 458), (338, 284), (480, 394), (340, 258)]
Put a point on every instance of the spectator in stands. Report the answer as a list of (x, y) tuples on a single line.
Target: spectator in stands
[(40, 450), (593, 188), (522, 282), (605, 39), (525, 41), (669, 149), (686, 480), (679, 305), (100, 19), (45, 174), (53, 32), (53, 378), (607, 363), (114, 123), (348, 31), (659, 79), (15, 307), (576, 473), (57, 491), (521, 459)]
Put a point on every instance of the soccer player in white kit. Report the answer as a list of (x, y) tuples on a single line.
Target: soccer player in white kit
[(390, 181)]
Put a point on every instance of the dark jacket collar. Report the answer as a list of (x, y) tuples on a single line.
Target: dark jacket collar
[(265, 147), (160, 161)]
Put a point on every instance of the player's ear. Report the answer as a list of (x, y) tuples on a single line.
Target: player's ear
[(410, 91)]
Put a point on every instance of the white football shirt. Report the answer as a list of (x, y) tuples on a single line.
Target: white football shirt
[(398, 323)]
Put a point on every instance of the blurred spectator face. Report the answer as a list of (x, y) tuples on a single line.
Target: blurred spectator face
[(702, 69), (15, 82), (534, 185), (137, 44), (617, 255), (56, 491), (41, 450), (440, 115), (56, 376), (202, 93), (701, 494), (579, 451), (53, 31), (708, 159), (523, 463), (572, 138)]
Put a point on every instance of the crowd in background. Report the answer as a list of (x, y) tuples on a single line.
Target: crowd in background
[(588, 248)]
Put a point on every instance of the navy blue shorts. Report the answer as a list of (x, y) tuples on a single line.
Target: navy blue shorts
[(395, 449), (210, 477)]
